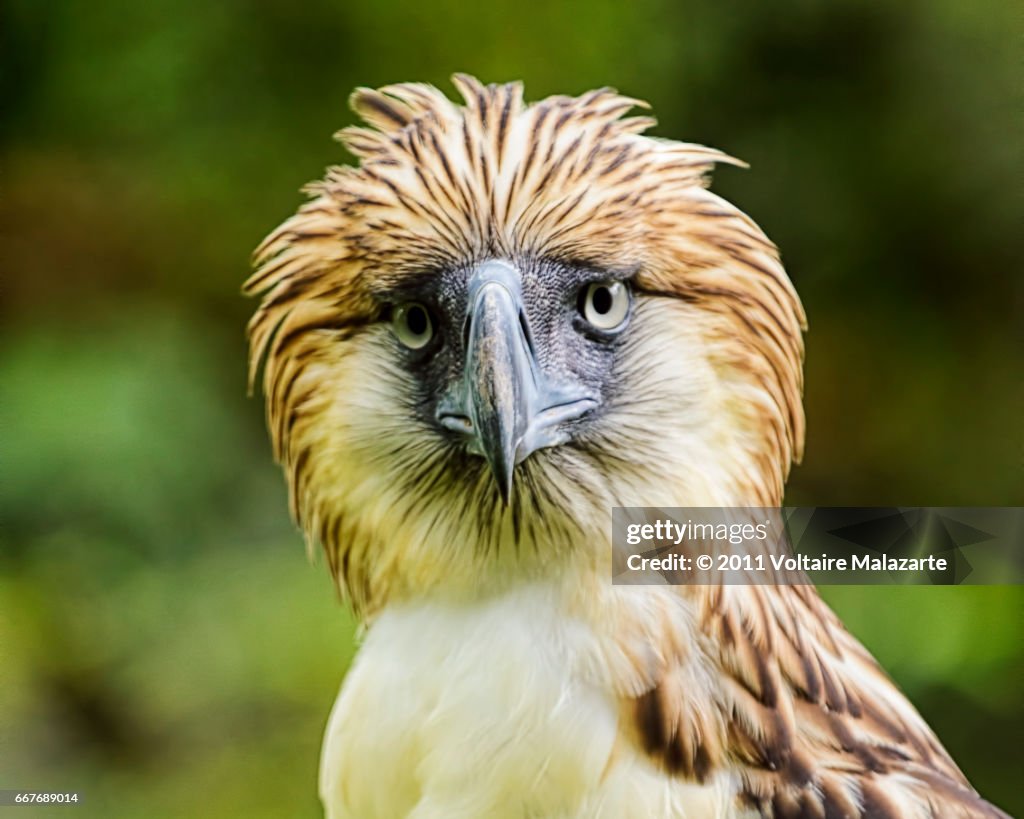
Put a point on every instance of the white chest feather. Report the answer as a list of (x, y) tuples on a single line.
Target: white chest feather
[(483, 710)]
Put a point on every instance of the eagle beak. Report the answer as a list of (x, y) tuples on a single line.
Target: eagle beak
[(505, 404)]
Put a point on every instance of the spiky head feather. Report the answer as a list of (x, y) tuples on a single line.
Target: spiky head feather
[(568, 178), (793, 706)]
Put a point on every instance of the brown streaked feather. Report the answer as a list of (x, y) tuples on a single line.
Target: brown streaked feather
[(815, 727), (774, 689), (440, 184)]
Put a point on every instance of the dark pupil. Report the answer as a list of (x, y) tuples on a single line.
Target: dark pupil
[(602, 299), (416, 319)]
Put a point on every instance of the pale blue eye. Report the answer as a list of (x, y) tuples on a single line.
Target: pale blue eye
[(412, 325), (605, 304)]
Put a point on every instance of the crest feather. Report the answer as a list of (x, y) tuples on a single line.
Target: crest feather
[(441, 184)]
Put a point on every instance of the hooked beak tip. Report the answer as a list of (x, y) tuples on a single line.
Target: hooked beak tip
[(505, 489), (504, 404), (502, 463)]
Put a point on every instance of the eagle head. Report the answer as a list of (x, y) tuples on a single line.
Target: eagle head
[(507, 319)]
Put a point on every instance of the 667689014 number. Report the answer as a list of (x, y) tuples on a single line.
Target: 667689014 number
[(44, 798)]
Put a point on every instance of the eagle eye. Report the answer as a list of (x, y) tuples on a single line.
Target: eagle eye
[(604, 305), (412, 325)]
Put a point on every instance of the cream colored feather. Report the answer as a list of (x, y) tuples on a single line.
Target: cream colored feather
[(502, 674)]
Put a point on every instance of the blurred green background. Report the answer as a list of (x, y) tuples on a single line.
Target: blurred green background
[(165, 646)]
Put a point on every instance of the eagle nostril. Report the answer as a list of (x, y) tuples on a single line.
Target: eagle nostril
[(527, 334)]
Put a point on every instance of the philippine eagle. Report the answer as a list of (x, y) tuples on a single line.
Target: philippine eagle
[(505, 321)]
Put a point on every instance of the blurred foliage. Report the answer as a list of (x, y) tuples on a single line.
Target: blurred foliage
[(165, 647)]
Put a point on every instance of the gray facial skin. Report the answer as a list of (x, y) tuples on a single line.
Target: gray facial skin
[(513, 365)]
